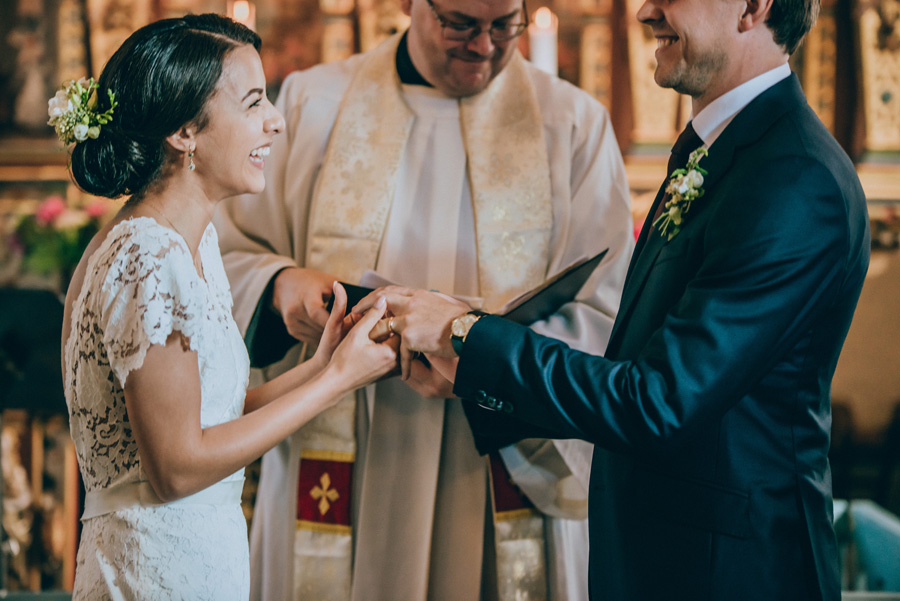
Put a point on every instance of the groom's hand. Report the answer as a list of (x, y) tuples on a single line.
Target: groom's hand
[(421, 319)]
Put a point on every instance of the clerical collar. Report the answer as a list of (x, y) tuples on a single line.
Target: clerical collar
[(405, 68)]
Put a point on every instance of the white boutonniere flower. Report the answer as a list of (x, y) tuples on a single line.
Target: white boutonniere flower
[(685, 186)]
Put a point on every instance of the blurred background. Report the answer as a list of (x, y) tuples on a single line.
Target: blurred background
[(849, 67)]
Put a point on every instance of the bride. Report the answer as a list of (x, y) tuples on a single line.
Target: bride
[(154, 367)]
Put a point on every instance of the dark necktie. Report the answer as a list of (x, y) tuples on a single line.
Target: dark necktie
[(688, 141)]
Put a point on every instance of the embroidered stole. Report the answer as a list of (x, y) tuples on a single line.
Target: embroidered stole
[(509, 178)]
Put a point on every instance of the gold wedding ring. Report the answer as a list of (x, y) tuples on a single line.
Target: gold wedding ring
[(391, 325)]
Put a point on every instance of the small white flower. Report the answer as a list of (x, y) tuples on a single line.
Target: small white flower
[(81, 132), (73, 111), (59, 105), (694, 179), (683, 188)]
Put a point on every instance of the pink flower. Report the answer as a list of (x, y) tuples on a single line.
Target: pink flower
[(71, 219), (50, 209), (96, 209)]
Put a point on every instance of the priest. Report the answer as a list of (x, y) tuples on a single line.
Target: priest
[(441, 160)]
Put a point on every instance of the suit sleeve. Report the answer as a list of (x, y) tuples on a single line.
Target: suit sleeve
[(775, 257), (591, 210), (591, 213)]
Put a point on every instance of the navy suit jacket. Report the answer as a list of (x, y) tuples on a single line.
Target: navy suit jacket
[(711, 410)]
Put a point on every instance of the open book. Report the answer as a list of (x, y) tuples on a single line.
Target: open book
[(546, 299), (531, 306)]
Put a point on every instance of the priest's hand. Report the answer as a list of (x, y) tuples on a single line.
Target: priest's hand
[(428, 381), (300, 296), (421, 319)]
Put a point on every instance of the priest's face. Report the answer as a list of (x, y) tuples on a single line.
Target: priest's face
[(462, 67)]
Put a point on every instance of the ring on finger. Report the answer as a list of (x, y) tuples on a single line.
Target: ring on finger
[(391, 326)]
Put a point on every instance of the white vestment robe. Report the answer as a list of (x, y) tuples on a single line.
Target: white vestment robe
[(419, 515)]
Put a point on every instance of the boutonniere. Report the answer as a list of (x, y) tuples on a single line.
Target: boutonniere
[(685, 186)]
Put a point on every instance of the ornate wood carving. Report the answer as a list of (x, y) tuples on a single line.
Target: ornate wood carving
[(379, 19), (657, 111), (336, 7), (111, 21), (72, 50), (819, 67), (337, 39), (596, 60), (879, 35)]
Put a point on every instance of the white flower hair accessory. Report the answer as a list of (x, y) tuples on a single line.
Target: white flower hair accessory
[(73, 112), (685, 186)]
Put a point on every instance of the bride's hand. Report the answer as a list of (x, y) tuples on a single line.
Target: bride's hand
[(335, 329), (358, 360)]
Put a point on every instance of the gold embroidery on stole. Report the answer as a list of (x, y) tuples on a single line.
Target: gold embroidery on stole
[(509, 178)]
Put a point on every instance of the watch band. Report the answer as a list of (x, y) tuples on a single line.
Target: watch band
[(459, 329)]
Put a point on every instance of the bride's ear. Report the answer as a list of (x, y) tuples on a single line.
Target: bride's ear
[(183, 140)]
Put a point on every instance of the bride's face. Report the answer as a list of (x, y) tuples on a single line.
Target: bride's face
[(231, 150)]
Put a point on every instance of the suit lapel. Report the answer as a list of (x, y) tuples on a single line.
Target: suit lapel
[(648, 246), (746, 128), (646, 230)]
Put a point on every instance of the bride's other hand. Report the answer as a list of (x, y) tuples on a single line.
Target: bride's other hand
[(335, 329), (358, 360)]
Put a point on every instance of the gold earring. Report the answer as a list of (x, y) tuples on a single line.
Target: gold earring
[(191, 157)]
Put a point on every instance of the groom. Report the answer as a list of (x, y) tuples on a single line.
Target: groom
[(711, 410)]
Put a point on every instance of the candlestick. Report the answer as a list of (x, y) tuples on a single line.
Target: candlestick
[(542, 40), (243, 12)]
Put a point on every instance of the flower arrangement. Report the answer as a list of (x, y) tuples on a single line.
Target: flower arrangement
[(52, 236), (73, 112), (685, 186)]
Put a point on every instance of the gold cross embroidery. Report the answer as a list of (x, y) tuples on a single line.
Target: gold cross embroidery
[(324, 493)]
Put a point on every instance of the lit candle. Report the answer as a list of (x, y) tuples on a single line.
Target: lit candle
[(243, 11), (542, 40)]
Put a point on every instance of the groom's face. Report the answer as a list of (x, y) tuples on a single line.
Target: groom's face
[(696, 41)]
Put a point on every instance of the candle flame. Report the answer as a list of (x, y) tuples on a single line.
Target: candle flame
[(241, 9), (543, 18)]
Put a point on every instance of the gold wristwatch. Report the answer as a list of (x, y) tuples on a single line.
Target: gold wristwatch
[(459, 329)]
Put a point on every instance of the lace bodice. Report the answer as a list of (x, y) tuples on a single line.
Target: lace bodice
[(140, 285)]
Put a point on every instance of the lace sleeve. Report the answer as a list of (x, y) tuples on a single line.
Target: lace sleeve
[(151, 289)]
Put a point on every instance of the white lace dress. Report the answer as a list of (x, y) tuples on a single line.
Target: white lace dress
[(141, 285)]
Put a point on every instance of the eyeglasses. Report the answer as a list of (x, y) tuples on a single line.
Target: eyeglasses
[(457, 31)]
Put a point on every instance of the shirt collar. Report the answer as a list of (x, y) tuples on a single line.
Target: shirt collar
[(405, 68), (712, 120)]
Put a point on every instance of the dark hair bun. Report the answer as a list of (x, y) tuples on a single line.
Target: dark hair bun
[(162, 77), (115, 165)]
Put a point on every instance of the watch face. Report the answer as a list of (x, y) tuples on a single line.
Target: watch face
[(462, 324)]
